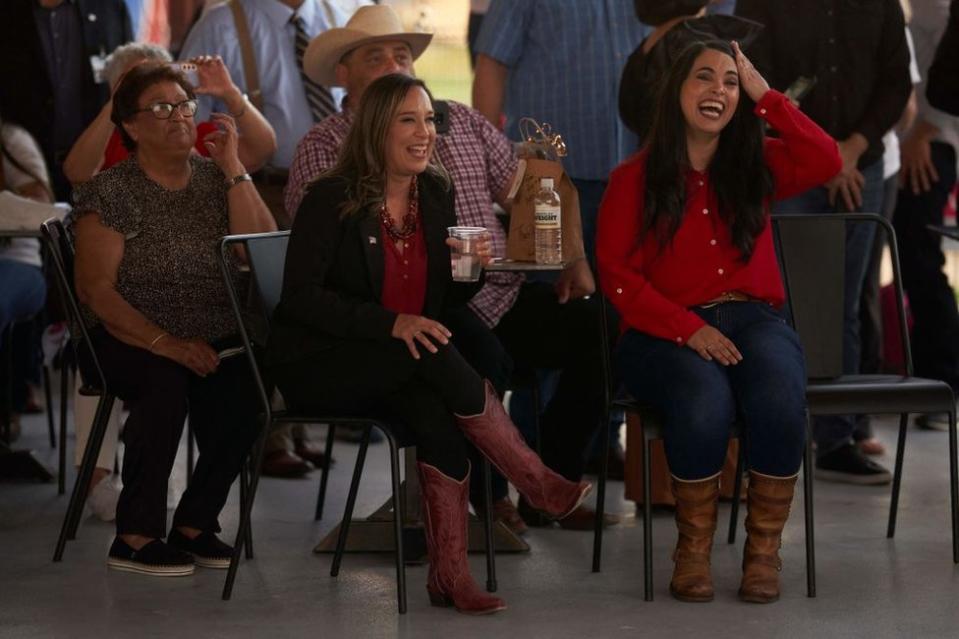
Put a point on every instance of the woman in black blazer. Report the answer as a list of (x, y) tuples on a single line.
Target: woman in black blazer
[(367, 271)]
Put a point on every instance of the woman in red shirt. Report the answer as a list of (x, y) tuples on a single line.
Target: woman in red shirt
[(685, 254), (367, 272)]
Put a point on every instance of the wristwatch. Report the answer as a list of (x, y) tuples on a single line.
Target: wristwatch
[(233, 181)]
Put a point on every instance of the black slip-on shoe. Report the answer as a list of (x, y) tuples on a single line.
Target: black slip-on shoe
[(207, 550), (848, 465), (156, 558)]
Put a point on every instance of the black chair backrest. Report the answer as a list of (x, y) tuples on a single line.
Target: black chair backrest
[(812, 253), (267, 257), (61, 254)]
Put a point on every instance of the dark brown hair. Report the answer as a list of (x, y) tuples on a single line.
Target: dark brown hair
[(126, 100)]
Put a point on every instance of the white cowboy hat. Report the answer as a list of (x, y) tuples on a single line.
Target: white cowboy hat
[(374, 23)]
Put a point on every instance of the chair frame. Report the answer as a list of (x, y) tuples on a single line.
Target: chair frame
[(271, 418)]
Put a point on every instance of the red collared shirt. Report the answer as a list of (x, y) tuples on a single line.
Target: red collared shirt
[(404, 273), (653, 290)]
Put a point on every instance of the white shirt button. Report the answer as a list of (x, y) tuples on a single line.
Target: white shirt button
[(762, 111), (619, 290), (720, 271), (701, 183), (712, 242), (705, 211), (406, 277), (406, 262), (679, 340)]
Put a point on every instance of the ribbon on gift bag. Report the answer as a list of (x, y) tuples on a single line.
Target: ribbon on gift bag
[(541, 153)]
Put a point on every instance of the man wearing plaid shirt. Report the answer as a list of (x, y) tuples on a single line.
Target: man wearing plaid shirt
[(535, 325)]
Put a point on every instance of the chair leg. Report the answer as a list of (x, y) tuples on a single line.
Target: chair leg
[(64, 384), (398, 524), (325, 472), (78, 498), (246, 508), (189, 452), (601, 493), (897, 475), (647, 524), (244, 496), (488, 527), (351, 502), (737, 492), (808, 472), (954, 486), (48, 396)]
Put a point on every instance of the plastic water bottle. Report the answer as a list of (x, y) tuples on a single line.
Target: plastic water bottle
[(549, 232)]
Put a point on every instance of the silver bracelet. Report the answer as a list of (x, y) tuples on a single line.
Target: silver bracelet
[(242, 177)]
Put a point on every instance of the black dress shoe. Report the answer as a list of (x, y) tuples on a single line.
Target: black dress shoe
[(848, 465), (156, 558), (206, 548)]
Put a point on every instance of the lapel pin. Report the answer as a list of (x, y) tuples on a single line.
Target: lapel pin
[(372, 240)]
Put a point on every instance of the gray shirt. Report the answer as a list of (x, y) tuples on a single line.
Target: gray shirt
[(169, 270)]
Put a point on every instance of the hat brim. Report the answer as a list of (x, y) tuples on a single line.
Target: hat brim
[(327, 49)]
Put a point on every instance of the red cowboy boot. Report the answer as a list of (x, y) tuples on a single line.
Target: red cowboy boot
[(445, 513), (494, 434)]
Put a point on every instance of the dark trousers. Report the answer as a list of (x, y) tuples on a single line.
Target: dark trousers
[(935, 347), (484, 352), (160, 394), (699, 400), (382, 380), (539, 332)]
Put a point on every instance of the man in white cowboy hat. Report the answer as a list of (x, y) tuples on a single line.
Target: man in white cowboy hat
[(504, 321), (279, 31)]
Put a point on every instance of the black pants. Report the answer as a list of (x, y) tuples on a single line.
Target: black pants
[(935, 349), (539, 332), (160, 394), (383, 381)]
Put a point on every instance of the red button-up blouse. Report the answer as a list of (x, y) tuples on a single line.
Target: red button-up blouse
[(404, 274), (654, 290)]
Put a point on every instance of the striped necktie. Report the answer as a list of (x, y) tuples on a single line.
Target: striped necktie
[(318, 96)]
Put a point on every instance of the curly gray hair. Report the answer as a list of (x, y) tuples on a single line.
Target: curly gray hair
[(127, 54)]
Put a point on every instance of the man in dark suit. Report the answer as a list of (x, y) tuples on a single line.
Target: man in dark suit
[(50, 51)]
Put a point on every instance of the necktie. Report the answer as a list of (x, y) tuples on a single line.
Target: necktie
[(318, 96)]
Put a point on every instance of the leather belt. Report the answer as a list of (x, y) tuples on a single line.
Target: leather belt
[(728, 296)]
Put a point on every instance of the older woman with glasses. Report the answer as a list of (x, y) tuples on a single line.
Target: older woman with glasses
[(147, 233)]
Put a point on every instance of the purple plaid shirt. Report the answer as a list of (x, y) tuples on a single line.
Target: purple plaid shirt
[(481, 163)]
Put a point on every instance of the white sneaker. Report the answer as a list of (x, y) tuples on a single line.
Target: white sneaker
[(102, 500)]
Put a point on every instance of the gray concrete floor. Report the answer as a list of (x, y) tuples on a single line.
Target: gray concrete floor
[(869, 586)]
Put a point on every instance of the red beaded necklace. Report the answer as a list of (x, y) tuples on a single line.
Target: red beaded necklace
[(409, 220)]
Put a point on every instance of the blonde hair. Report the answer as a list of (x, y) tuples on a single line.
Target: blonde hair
[(362, 159)]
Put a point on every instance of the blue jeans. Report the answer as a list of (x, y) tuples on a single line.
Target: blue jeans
[(23, 293), (700, 400), (833, 432)]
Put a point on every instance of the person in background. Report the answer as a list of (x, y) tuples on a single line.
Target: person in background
[(100, 146), (853, 59), (51, 55), (686, 256), (927, 178), (478, 9), (942, 89)]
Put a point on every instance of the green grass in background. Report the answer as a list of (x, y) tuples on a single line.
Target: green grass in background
[(445, 67)]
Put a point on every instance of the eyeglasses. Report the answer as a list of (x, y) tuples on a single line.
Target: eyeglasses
[(164, 110)]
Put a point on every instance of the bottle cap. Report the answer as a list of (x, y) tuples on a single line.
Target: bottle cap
[(546, 183)]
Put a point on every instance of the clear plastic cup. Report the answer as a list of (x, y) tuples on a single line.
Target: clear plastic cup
[(464, 260)]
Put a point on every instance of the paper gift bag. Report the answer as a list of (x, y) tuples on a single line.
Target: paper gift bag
[(520, 244)]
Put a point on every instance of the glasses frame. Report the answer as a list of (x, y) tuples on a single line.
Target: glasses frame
[(178, 107)]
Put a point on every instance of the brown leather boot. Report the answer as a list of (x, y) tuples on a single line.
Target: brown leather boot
[(696, 504), (494, 434), (445, 514), (769, 499)]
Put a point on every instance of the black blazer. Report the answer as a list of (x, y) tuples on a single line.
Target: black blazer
[(333, 280), (26, 93)]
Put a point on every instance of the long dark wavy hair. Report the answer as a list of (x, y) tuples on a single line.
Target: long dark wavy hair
[(738, 174)]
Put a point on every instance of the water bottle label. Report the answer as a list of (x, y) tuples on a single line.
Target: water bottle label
[(547, 216)]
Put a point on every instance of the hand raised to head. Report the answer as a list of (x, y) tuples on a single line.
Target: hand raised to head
[(750, 80)]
